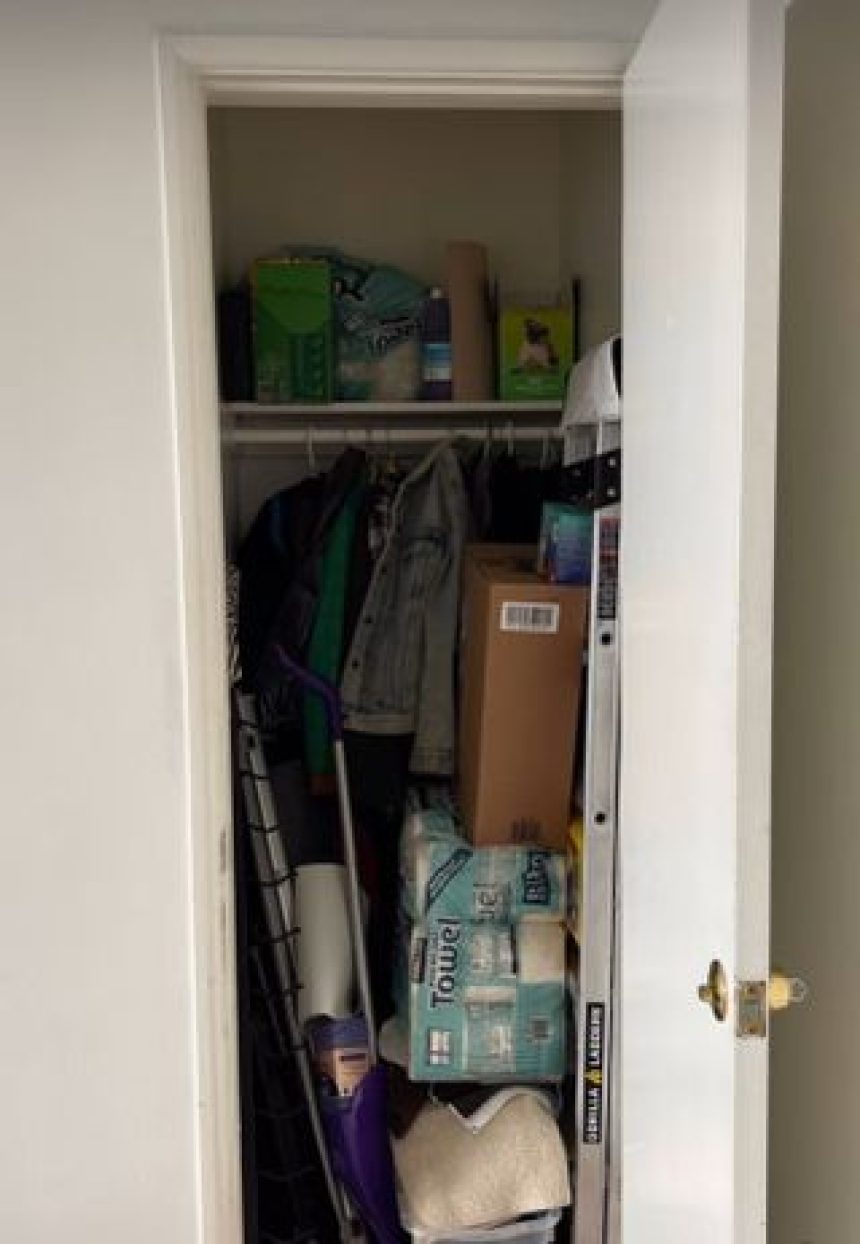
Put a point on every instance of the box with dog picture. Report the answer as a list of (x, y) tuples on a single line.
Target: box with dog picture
[(536, 350)]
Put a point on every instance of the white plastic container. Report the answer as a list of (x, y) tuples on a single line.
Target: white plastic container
[(535, 1229)]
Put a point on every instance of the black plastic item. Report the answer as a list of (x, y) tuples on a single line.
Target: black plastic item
[(593, 482), (235, 348), (576, 304), (618, 364)]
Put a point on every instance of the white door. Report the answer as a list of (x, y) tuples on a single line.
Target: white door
[(703, 110)]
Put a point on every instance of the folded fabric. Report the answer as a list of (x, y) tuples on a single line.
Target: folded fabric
[(453, 1178), (479, 1107)]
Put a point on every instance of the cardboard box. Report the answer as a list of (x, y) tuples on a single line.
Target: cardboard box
[(521, 670), (535, 352), (293, 330)]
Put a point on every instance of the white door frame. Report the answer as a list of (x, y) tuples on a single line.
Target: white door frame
[(191, 73)]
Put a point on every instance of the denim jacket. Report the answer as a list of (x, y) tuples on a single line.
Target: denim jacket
[(399, 672)]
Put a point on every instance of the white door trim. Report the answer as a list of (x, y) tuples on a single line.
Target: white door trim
[(190, 73), (399, 73)]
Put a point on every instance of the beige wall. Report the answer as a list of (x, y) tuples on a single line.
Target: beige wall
[(815, 1142), (591, 218), (542, 190)]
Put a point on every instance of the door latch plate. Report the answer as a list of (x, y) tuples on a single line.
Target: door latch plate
[(751, 1010)]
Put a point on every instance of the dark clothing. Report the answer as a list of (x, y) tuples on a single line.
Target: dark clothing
[(358, 574), (378, 768), (280, 561)]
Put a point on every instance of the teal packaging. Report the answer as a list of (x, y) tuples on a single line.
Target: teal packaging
[(443, 875), (565, 548), (469, 1010), (479, 962)]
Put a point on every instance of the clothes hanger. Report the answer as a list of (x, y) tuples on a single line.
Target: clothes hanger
[(544, 451), (488, 440), (311, 452), (372, 464), (391, 465)]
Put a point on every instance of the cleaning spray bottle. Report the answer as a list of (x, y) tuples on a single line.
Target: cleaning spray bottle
[(436, 360)]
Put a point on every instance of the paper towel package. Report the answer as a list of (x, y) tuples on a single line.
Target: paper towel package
[(483, 1001), (444, 875)]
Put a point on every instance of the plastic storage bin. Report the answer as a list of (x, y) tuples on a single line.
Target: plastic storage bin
[(535, 1229)]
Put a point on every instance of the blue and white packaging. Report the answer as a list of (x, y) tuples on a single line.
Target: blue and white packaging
[(479, 982), (485, 1002), (443, 875), (565, 548)]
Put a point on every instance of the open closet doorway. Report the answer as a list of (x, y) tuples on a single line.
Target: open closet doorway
[(365, 446), (708, 707)]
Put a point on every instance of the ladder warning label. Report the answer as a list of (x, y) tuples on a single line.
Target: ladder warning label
[(592, 1087), (607, 582)]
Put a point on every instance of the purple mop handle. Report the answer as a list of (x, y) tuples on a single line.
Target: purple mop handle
[(327, 691)]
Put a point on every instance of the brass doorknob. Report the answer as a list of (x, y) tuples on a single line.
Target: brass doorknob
[(715, 992)]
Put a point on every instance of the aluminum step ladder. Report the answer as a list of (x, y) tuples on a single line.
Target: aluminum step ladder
[(597, 1165)]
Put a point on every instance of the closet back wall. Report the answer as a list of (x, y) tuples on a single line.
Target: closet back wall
[(541, 189)]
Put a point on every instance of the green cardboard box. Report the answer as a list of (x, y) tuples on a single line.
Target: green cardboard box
[(293, 328), (535, 352)]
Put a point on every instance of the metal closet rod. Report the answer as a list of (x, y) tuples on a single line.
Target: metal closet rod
[(310, 437)]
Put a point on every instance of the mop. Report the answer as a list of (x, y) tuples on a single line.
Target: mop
[(356, 1127)]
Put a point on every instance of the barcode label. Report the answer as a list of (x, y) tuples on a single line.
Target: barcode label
[(439, 1047), (500, 1043), (530, 617)]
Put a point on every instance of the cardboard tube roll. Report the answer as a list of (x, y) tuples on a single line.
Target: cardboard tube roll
[(323, 946), (471, 337)]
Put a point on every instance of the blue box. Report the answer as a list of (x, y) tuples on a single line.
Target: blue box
[(566, 541)]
